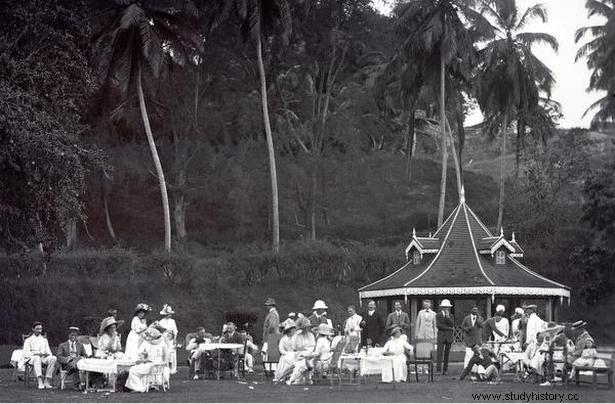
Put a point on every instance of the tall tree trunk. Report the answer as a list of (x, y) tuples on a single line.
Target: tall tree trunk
[(159, 172), (410, 140), (519, 145), (272, 168), (443, 135), (70, 232), (455, 158), (108, 222), (179, 207), (313, 190), (462, 141), (502, 173)]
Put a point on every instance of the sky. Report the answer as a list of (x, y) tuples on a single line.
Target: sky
[(565, 17)]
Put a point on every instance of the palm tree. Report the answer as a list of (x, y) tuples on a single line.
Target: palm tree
[(259, 20), (510, 77), (600, 54), (439, 37), (138, 41)]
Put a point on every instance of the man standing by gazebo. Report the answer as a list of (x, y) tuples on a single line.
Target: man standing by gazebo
[(445, 322), (472, 327)]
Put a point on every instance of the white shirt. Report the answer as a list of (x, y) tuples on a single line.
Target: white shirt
[(534, 325), (371, 312), (473, 318), (353, 324), (502, 326), (35, 345)]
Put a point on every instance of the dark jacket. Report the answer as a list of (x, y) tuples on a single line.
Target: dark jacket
[(63, 354), (445, 327), (472, 335), (491, 328), (484, 358), (372, 328), (402, 319)]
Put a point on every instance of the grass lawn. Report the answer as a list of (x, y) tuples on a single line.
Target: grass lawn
[(445, 389)]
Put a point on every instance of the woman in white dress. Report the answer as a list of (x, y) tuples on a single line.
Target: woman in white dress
[(137, 326), (319, 357), (170, 334), (287, 356), (303, 341), (396, 347), (109, 344), (153, 351)]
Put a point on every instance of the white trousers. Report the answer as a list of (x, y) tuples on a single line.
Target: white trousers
[(37, 362), (466, 359)]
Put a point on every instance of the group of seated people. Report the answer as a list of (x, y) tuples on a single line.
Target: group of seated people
[(146, 346)]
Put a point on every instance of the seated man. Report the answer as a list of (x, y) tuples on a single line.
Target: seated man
[(251, 348), (199, 356), (37, 353), (71, 352), (487, 364), (230, 336)]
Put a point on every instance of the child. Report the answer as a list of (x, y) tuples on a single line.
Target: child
[(588, 356)]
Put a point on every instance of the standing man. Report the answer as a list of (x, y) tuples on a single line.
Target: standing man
[(372, 325), (514, 325), (319, 315), (398, 317), (271, 325), (426, 323), (534, 323), (496, 327), (472, 327), (352, 325), (71, 352), (37, 353), (445, 323)]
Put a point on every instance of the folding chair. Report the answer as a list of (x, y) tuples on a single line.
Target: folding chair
[(423, 355)]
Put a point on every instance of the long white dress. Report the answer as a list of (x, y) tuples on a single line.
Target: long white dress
[(156, 355), (134, 340), (171, 338), (322, 352), (503, 327), (287, 357), (396, 346)]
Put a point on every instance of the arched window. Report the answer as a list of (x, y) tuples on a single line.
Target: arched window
[(416, 257), (500, 258)]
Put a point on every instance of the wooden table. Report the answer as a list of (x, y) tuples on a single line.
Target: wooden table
[(219, 346)]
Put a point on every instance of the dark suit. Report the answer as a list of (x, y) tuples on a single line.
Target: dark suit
[(402, 319), (64, 358), (373, 328), (472, 334), (445, 325)]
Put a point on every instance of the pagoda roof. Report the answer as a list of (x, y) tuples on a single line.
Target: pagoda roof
[(458, 262)]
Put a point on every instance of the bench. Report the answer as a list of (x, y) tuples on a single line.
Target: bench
[(595, 371)]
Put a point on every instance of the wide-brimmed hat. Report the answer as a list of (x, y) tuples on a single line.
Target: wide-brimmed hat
[(142, 307), (324, 329), (106, 323), (270, 302), (394, 328), (292, 314), (288, 324), (579, 324), (319, 305), (166, 310), (303, 322), (151, 334), (445, 303), (73, 329), (529, 306)]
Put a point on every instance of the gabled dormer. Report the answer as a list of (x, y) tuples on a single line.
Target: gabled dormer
[(421, 245)]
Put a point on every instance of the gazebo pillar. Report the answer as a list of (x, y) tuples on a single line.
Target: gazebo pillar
[(488, 313), (413, 312), (549, 309)]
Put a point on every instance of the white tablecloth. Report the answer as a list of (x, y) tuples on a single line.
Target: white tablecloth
[(214, 346), (102, 365), (367, 364)]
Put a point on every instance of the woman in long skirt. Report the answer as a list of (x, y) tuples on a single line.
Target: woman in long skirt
[(154, 351), (137, 326), (287, 356), (396, 347), (170, 334)]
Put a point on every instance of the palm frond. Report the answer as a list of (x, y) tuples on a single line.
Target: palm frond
[(533, 38), (536, 11), (598, 7)]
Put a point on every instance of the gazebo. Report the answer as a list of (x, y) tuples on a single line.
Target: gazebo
[(463, 262)]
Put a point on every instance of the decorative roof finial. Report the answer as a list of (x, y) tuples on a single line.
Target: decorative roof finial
[(513, 237), (462, 195), (430, 236), (413, 232), (502, 231)]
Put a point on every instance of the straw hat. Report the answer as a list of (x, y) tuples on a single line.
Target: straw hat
[(445, 303), (530, 306), (166, 310), (319, 305), (106, 323), (302, 322), (142, 307), (270, 302), (579, 324), (73, 329), (288, 324), (324, 329)]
